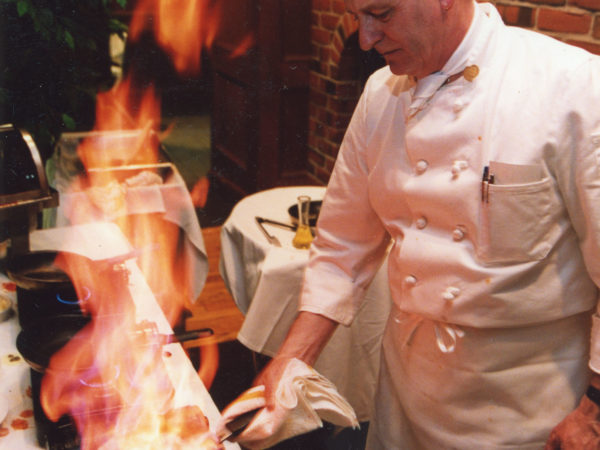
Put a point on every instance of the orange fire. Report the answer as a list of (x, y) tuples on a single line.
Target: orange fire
[(117, 110), (183, 28), (111, 377)]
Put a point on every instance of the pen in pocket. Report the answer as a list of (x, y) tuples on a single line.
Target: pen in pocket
[(486, 180)]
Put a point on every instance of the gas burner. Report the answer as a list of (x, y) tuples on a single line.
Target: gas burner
[(59, 435), (66, 299)]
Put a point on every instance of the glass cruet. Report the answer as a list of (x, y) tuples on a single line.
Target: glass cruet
[(303, 236)]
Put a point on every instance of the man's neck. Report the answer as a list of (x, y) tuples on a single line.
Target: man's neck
[(457, 21)]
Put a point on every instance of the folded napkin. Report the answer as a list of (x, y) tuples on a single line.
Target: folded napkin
[(303, 399)]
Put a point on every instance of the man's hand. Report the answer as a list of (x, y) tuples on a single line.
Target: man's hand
[(306, 338), (270, 376), (580, 430)]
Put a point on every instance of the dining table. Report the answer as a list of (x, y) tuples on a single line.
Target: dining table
[(17, 429), (96, 241), (264, 276)]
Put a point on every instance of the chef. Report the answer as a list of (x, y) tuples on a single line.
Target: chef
[(475, 156)]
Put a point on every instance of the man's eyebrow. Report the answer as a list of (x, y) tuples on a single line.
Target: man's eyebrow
[(376, 5), (368, 9)]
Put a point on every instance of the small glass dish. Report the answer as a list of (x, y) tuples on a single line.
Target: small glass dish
[(6, 310)]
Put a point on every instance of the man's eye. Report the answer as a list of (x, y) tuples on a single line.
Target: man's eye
[(384, 15)]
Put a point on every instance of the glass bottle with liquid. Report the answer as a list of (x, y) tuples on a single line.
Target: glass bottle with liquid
[(303, 236)]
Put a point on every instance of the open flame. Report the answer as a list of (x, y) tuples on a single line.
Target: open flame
[(183, 28), (111, 377), (120, 109)]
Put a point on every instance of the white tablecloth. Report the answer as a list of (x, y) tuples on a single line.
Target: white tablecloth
[(265, 282), (15, 385)]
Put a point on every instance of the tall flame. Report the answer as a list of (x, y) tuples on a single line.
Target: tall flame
[(111, 377), (121, 109), (182, 28)]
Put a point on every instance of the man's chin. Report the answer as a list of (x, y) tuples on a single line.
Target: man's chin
[(398, 69), (397, 66)]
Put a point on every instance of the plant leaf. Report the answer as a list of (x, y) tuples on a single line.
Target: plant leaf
[(69, 39), (68, 121), (22, 7)]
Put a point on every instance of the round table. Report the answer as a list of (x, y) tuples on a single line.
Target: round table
[(265, 282)]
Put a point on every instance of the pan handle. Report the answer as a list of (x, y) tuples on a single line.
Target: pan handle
[(187, 336), (146, 333)]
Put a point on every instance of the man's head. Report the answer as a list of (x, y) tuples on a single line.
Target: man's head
[(416, 37)]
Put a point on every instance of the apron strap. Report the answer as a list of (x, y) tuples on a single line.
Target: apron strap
[(446, 335)]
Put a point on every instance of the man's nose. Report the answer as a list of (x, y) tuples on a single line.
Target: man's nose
[(368, 34)]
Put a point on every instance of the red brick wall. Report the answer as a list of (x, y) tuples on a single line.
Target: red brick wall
[(574, 21), (334, 87)]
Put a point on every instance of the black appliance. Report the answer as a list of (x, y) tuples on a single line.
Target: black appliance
[(24, 189)]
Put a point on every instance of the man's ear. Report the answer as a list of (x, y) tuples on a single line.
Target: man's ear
[(446, 4)]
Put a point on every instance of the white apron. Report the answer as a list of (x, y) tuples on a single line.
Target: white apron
[(498, 388)]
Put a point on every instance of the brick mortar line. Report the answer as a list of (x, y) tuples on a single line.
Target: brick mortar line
[(570, 9), (326, 158), (579, 37), (327, 140)]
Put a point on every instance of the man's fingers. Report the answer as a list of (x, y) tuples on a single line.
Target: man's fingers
[(553, 443)]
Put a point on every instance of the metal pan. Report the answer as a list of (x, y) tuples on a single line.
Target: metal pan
[(43, 289), (36, 270), (41, 270), (40, 341)]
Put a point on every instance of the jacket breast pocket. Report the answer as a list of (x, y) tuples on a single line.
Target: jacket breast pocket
[(518, 222)]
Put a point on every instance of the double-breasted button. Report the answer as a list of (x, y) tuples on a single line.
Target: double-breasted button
[(458, 166), (421, 223), (421, 166), (410, 280), (447, 296), (458, 106), (451, 293), (458, 234)]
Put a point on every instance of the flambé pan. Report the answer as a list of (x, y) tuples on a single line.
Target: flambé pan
[(41, 340)]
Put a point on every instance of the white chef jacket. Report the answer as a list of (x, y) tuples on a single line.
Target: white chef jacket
[(507, 263)]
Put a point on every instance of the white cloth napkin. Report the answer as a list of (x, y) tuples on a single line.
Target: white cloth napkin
[(304, 398)]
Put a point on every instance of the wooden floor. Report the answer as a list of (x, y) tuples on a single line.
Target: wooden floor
[(215, 308)]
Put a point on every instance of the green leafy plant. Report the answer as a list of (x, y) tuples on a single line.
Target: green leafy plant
[(54, 58)]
